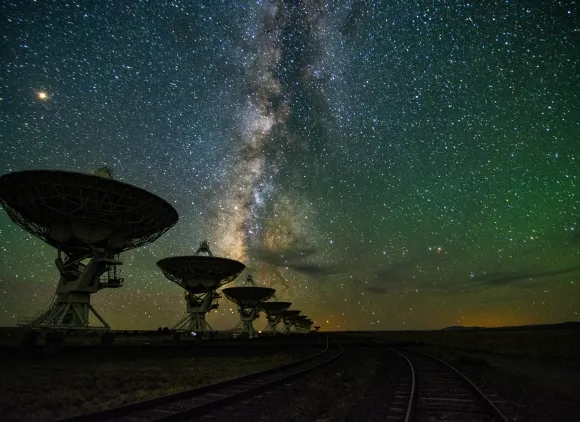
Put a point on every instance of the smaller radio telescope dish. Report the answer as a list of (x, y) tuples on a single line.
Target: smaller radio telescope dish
[(302, 323), (298, 319), (305, 325), (90, 219), (273, 312), (200, 276), (248, 296), (249, 299), (287, 318)]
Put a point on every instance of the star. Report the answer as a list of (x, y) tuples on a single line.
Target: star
[(350, 154)]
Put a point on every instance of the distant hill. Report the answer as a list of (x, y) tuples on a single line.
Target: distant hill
[(461, 328), (568, 324)]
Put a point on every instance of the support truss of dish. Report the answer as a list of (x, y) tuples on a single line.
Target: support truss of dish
[(90, 220), (197, 307)]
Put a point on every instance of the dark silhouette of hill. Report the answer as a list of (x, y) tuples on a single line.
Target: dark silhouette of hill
[(561, 325)]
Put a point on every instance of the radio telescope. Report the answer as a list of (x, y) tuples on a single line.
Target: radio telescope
[(288, 318), (90, 220), (273, 312), (200, 276), (299, 322), (306, 325), (249, 299)]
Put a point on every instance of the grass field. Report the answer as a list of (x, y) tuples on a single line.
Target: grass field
[(50, 388), (84, 377), (531, 342)]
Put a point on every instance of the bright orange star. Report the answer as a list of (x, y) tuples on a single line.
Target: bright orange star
[(41, 95)]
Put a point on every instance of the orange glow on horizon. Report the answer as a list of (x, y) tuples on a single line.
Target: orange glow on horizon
[(496, 318)]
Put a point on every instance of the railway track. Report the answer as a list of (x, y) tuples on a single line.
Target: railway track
[(433, 390), (199, 401)]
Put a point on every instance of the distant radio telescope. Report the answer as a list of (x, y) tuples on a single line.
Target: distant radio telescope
[(273, 312), (249, 299), (299, 323), (200, 276), (287, 318), (305, 325), (90, 220)]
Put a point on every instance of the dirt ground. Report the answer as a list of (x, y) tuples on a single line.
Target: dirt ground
[(540, 342)]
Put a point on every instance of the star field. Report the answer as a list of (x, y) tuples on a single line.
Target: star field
[(383, 165)]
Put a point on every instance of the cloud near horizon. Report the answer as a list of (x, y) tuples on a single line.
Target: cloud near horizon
[(295, 259), (505, 278)]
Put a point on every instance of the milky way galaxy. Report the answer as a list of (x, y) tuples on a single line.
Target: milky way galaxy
[(383, 165)]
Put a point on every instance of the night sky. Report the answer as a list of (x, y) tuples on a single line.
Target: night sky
[(383, 165)]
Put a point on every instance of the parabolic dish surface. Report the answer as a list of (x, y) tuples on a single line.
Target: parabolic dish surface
[(290, 313), (274, 308), (70, 210), (248, 296), (200, 274)]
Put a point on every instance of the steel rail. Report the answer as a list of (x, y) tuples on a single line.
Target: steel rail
[(412, 394), (478, 393), (248, 385)]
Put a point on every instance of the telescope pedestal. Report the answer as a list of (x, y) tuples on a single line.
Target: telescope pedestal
[(246, 324), (273, 321), (197, 306), (70, 311), (72, 305)]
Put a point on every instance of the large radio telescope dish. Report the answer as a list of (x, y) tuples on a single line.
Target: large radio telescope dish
[(91, 220), (76, 211)]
